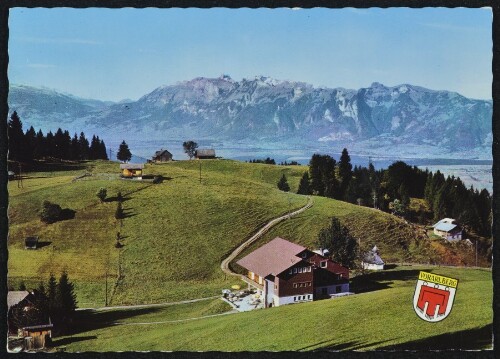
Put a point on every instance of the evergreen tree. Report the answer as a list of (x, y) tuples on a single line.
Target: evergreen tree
[(124, 153), (103, 153), (94, 148), (52, 296), (50, 145), (304, 187), (65, 296), (83, 147), (59, 147), (17, 150), (66, 146), (315, 174), (40, 149), (75, 148), (329, 179), (42, 300), (30, 142), (339, 242), (283, 184), (345, 172)]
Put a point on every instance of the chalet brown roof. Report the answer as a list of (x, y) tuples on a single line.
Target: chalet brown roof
[(205, 153), (161, 152), (15, 297), (272, 258)]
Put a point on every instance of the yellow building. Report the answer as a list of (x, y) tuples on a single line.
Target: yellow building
[(132, 170)]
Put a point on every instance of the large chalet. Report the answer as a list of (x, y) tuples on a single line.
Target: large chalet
[(284, 272)]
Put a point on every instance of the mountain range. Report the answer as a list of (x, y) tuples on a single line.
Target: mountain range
[(267, 112)]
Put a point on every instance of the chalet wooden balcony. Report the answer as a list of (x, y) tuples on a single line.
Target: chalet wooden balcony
[(252, 283)]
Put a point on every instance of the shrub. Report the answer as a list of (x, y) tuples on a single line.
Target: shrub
[(101, 194), (50, 212), (158, 179)]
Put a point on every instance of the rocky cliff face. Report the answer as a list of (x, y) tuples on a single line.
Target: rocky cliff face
[(264, 109)]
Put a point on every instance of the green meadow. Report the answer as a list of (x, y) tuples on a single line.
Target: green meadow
[(380, 317), (175, 235)]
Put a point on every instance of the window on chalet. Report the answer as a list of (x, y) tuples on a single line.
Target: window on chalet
[(295, 270), (294, 299), (290, 272), (300, 270), (309, 284), (304, 255), (295, 285), (322, 264), (309, 268)]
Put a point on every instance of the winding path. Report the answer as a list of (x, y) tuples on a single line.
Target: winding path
[(224, 266)]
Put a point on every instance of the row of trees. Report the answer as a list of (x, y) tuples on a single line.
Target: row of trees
[(29, 145), (391, 189), (450, 198), (326, 177)]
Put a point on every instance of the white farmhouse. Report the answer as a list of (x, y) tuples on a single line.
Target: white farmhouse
[(372, 260), (448, 229)]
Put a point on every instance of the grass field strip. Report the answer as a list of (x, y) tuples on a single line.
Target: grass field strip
[(153, 305), (179, 320)]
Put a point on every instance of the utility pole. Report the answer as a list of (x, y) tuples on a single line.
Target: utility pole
[(110, 154), (19, 177), (476, 252), (106, 301), (106, 280)]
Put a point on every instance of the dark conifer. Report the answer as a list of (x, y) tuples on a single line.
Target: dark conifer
[(345, 172), (304, 186), (15, 133), (283, 184), (124, 153)]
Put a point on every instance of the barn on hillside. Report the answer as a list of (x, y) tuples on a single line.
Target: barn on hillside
[(162, 156), (205, 154)]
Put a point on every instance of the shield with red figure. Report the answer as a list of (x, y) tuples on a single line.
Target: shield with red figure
[(434, 296)]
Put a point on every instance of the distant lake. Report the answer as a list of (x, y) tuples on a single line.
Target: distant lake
[(472, 171)]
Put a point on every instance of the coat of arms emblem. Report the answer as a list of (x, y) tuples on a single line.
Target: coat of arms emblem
[(434, 296)]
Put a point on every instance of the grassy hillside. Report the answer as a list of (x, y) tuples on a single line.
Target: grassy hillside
[(175, 233), (397, 240), (382, 318)]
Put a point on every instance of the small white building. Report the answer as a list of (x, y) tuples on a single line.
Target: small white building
[(372, 260), (449, 229)]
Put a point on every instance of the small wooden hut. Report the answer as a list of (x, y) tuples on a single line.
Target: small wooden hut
[(31, 242), (132, 170), (36, 336)]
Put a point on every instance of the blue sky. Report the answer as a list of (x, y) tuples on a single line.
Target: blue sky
[(112, 54)]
